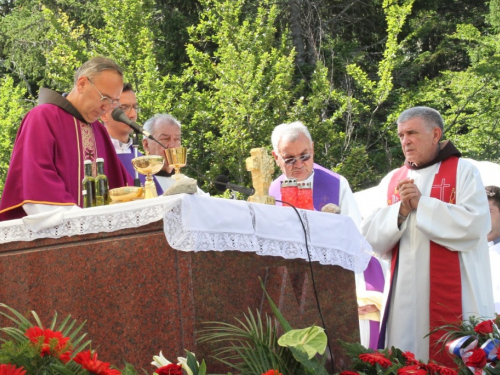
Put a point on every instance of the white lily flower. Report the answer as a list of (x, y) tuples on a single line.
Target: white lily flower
[(160, 360), (185, 367)]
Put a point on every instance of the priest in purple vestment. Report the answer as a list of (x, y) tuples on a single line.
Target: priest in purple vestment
[(57, 136), (293, 151)]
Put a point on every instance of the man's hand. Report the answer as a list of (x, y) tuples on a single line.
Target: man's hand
[(362, 310), (410, 196)]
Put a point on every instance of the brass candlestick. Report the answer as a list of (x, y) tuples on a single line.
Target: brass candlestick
[(148, 165)]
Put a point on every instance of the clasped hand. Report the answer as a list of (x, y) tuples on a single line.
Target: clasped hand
[(410, 196)]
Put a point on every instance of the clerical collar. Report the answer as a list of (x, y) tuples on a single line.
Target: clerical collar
[(446, 149), (48, 96), (120, 147), (310, 179)]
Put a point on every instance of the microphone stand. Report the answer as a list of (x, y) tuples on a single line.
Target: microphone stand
[(135, 145), (233, 195)]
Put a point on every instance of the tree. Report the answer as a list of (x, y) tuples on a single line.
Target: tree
[(12, 107)]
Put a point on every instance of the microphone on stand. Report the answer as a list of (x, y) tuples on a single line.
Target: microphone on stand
[(222, 184), (135, 145), (118, 115)]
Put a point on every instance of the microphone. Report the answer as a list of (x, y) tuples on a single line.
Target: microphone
[(120, 116), (222, 184)]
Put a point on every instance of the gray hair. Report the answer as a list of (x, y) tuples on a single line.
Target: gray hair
[(96, 65), (431, 117), (288, 132), (151, 124)]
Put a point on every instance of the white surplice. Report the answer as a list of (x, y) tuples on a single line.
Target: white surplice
[(459, 227)]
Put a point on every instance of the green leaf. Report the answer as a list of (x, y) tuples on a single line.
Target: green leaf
[(310, 340), (284, 323)]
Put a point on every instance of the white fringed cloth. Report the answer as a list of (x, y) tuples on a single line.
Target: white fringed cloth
[(202, 223)]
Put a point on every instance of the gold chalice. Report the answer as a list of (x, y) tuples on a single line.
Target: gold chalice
[(177, 158), (148, 165)]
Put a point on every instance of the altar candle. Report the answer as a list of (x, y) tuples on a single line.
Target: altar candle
[(304, 196), (289, 191)]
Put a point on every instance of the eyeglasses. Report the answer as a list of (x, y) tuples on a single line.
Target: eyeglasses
[(291, 161), (128, 107), (107, 101)]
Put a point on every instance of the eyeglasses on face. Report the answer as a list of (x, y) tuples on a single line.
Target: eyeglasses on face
[(107, 101), (291, 161), (128, 107)]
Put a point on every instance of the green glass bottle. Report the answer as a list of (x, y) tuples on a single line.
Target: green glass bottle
[(88, 186), (101, 184)]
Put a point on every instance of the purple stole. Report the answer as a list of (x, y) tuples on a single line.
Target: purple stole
[(374, 280), (126, 160), (326, 189)]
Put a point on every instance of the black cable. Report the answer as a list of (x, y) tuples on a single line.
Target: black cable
[(313, 280)]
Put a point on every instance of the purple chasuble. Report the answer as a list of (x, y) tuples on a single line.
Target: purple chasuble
[(126, 160), (374, 281), (47, 161), (326, 187)]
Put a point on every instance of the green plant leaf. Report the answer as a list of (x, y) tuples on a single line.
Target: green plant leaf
[(284, 323), (310, 340)]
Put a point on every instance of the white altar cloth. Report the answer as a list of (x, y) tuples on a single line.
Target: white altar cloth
[(201, 223)]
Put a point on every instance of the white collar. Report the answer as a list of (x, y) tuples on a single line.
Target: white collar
[(120, 147), (310, 179)]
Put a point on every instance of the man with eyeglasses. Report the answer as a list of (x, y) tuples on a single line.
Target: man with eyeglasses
[(56, 137), (119, 132), (493, 194), (293, 151)]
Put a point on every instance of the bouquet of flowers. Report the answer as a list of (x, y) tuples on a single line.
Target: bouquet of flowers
[(394, 361), (474, 342), (61, 349)]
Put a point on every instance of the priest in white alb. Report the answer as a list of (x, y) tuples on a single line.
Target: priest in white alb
[(431, 223)]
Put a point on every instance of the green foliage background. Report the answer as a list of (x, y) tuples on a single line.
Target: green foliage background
[(231, 70)]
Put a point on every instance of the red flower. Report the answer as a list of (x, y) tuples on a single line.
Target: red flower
[(442, 370), (9, 369), (484, 328), (349, 373), (477, 358), (51, 343), (410, 358), (271, 372), (171, 369), (90, 363), (414, 369), (377, 357)]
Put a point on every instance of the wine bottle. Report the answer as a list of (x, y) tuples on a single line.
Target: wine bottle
[(88, 184), (101, 184)]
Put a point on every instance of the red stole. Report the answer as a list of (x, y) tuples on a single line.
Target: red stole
[(445, 303)]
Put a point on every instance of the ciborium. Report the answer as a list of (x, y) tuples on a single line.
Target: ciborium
[(177, 158), (148, 165)]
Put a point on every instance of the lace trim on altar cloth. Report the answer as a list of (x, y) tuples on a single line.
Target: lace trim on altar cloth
[(194, 240), (79, 224), (198, 223)]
